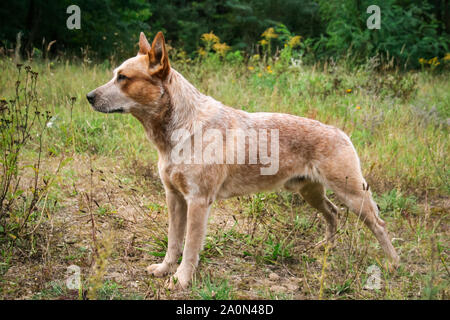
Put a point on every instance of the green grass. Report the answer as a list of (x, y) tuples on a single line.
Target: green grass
[(397, 121), (209, 289)]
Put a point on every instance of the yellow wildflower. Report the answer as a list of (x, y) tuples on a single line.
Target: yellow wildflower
[(269, 34), (264, 42), (358, 107), (422, 61), (210, 37), (349, 90), (447, 57), (269, 69), (251, 68), (295, 41), (221, 48), (201, 52), (256, 57), (433, 61), (260, 75)]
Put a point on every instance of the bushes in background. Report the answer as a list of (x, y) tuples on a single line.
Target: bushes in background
[(410, 30)]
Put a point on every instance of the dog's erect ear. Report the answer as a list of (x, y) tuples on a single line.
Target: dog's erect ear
[(158, 58), (144, 46)]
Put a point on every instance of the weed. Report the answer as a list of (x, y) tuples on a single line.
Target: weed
[(394, 202), (110, 290), (52, 290), (208, 289), (340, 289), (276, 249)]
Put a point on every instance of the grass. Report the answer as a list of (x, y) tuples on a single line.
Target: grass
[(208, 289), (109, 194)]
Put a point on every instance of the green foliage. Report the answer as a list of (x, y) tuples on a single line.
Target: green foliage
[(110, 28), (394, 201), (407, 33), (234, 57), (276, 249), (109, 290), (341, 288)]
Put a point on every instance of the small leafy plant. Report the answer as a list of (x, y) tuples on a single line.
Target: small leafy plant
[(209, 289)]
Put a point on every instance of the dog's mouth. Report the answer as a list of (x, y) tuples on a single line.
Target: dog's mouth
[(117, 110), (108, 110)]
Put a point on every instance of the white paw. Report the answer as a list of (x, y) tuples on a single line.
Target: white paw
[(179, 281), (159, 269)]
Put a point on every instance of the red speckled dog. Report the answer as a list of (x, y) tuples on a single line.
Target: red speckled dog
[(312, 156)]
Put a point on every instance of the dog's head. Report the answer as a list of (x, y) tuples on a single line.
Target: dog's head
[(138, 83)]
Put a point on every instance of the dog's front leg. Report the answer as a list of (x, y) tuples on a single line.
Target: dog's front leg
[(197, 216), (177, 208)]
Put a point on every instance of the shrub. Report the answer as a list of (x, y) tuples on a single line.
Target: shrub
[(22, 123)]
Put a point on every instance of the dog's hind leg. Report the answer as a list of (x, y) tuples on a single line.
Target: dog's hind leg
[(343, 175), (314, 195), (361, 203)]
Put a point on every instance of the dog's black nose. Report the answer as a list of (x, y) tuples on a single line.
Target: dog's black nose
[(91, 97)]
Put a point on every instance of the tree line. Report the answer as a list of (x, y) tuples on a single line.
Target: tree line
[(410, 29)]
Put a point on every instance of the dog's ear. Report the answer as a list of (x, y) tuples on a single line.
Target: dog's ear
[(144, 46), (158, 58)]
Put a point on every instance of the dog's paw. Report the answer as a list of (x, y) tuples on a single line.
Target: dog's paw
[(159, 269), (178, 282)]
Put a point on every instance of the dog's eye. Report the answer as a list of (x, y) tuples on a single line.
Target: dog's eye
[(121, 77)]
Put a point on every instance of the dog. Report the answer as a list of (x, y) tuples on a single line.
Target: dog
[(311, 156)]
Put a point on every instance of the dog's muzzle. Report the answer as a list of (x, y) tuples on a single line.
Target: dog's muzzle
[(100, 105)]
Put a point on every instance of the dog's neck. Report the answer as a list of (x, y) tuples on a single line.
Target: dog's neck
[(186, 100), (178, 109)]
